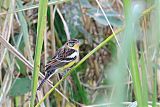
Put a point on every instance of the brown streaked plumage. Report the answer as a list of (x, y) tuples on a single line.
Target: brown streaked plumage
[(64, 58)]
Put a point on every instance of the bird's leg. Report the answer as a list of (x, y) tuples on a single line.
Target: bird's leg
[(65, 72), (69, 78), (61, 75)]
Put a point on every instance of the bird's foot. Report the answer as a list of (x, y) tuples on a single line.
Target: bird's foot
[(64, 73)]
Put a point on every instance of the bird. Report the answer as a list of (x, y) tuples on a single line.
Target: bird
[(64, 59)]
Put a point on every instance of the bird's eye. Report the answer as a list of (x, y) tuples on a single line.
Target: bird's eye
[(71, 44)]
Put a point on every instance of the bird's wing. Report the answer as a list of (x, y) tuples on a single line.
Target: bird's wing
[(61, 59), (64, 55), (54, 64), (54, 60)]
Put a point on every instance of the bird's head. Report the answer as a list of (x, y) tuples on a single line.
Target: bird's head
[(73, 44)]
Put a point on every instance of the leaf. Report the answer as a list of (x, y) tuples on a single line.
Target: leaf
[(20, 86), (24, 28), (21, 67), (73, 17), (59, 27), (78, 92), (111, 46), (98, 16)]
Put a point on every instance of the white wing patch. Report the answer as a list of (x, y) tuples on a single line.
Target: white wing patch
[(75, 54)]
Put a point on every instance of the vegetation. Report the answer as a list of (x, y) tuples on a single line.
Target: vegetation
[(119, 52)]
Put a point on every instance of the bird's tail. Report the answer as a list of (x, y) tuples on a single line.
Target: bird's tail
[(40, 85), (49, 73)]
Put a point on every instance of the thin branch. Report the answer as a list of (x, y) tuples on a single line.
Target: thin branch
[(64, 24), (108, 22)]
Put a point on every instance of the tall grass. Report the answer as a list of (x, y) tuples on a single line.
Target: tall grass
[(42, 12)]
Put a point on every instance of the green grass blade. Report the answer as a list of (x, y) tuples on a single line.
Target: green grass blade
[(135, 76), (144, 80), (24, 28), (80, 94), (154, 97), (132, 14), (42, 12)]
